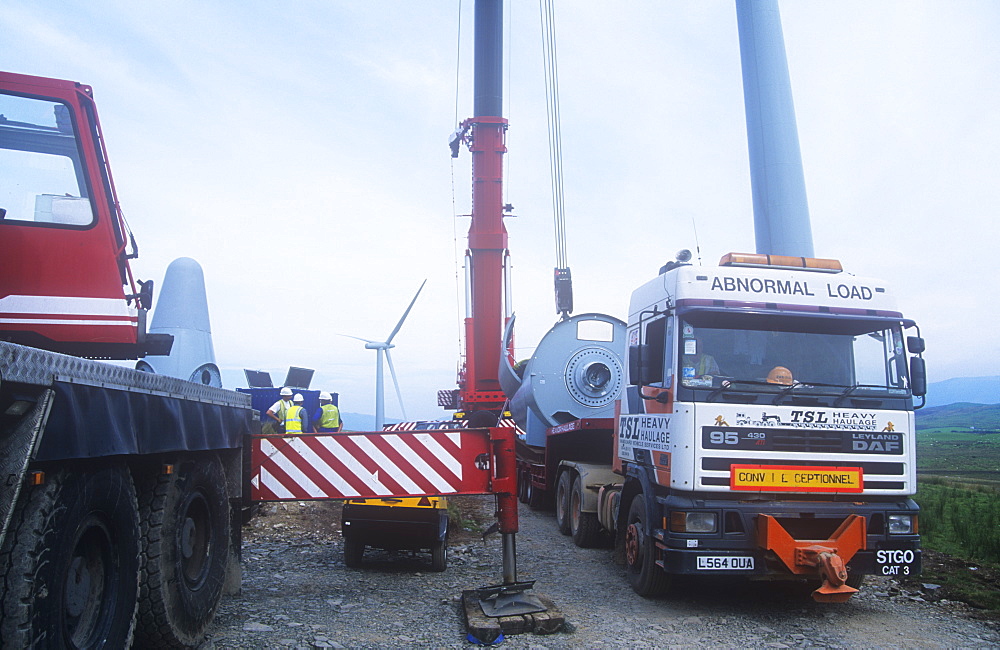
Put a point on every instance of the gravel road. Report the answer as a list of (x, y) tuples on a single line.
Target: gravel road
[(297, 593)]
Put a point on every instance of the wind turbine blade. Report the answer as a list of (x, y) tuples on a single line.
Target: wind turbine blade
[(395, 382), (406, 313), (357, 338)]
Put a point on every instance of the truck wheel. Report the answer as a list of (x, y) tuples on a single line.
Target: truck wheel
[(646, 578), (583, 525), (563, 489), (439, 555), (522, 487), (70, 562), (536, 497), (185, 524), (354, 551), (855, 580)]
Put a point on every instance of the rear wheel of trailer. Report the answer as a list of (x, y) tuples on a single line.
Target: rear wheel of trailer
[(584, 526), (563, 488)]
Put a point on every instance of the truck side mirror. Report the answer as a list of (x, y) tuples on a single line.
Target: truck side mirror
[(915, 344), (642, 369), (918, 376)]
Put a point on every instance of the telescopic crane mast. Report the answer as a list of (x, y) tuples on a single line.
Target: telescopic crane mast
[(486, 256)]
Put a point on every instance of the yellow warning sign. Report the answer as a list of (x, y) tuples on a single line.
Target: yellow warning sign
[(780, 478)]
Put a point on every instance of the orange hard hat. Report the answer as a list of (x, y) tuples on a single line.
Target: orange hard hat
[(780, 375)]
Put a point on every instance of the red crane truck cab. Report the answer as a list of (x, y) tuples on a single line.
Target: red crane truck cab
[(65, 281)]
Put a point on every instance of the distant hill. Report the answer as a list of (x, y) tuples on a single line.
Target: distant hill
[(960, 415), (974, 390)]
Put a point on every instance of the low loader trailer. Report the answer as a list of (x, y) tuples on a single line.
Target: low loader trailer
[(765, 429)]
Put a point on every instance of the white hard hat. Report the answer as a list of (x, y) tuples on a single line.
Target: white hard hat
[(326, 396), (298, 398), (286, 392)]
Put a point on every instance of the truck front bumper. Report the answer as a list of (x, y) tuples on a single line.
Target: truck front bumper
[(741, 544)]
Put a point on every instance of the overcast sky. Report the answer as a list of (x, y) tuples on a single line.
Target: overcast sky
[(298, 151)]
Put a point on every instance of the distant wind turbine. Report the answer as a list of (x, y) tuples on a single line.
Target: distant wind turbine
[(385, 346)]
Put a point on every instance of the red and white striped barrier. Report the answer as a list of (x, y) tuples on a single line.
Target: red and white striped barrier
[(365, 465)]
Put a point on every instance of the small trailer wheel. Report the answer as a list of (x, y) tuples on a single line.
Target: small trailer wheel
[(354, 551)]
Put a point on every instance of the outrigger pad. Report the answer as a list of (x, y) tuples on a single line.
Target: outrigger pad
[(488, 629), (511, 605), (508, 600)]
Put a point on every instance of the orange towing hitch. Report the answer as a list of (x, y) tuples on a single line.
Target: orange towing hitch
[(827, 557)]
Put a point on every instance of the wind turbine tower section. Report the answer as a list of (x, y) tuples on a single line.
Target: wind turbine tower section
[(780, 210)]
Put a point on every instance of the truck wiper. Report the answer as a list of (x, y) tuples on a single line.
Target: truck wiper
[(851, 389), (810, 384), (727, 383)]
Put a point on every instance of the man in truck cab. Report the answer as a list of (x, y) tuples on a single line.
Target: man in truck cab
[(696, 363)]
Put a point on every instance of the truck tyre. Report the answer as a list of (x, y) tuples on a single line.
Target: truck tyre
[(644, 576), (855, 580), (522, 487), (563, 488), (583, 525), (536, 497), (439, 551), (354, 551), (439, 556), (70, 562), (185, 547)]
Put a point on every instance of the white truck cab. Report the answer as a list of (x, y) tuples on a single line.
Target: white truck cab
[(770, 402)]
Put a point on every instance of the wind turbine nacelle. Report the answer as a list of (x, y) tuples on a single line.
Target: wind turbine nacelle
[(577, 371), (182, 312)]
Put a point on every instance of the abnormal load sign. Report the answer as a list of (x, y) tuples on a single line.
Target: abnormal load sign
[(781, 478)]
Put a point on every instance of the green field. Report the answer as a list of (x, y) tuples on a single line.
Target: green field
[(958, 489), (959, 452), (959, 440)]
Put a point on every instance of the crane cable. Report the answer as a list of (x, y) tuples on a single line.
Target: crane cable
[(563, 283)]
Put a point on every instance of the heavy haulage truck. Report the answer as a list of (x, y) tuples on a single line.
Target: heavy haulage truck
[(756, 420), (121, 490)]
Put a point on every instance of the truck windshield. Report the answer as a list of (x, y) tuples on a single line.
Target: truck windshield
[(43, 179), (772, 353)]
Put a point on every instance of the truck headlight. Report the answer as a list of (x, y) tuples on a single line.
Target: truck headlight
[(902, 524), (692, 522)]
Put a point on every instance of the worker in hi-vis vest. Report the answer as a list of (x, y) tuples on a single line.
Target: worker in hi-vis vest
[(296, 417), (277, 412), (327, 416)]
